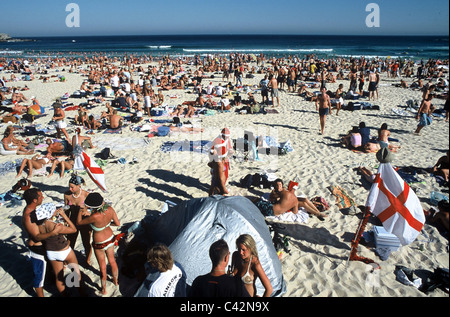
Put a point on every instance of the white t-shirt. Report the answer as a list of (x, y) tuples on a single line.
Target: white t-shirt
[(115, 81), (219, 90), (166, 283)]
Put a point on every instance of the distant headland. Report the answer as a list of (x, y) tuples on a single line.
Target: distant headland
[(6, 38)]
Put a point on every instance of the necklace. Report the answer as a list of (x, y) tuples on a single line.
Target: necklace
[(79, 194)]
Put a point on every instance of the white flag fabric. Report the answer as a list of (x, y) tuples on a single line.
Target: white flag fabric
[(396, 205), (85, 162)]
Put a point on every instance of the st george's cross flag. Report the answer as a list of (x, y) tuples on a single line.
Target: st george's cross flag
[(396, 205), (85, 162)]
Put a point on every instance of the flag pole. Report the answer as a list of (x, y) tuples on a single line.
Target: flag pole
[(355, 242)]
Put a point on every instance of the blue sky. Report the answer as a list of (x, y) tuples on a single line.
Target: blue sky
[(21, 18)]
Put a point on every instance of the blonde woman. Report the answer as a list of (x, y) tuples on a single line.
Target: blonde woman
[(246, 266)]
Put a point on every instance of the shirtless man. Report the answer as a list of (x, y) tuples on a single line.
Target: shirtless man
[(115, 120), (372, 85), (441, 168), (273, 83), (33, 198), (323, 105), (424, 114), (283, 198)]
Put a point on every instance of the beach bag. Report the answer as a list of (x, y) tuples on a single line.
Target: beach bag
[(12, 119), (320, 203), (106, 153), (247, 181), (261, 181)]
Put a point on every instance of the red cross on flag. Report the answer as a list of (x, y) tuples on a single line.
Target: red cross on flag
[(396, 205), (85, 162)]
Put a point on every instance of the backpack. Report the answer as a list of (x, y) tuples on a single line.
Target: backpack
[(320, 203), (106, 153)]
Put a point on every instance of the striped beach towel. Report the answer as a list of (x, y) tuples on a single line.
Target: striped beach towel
[(343, 200)]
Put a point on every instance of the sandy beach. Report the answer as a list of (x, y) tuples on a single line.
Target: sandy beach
[(317, 264)]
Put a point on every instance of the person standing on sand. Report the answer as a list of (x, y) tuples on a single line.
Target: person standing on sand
[(60, 124), (101, 216), (323, 105), (424, 114), (372, 85), (33, 198), (273, 83)]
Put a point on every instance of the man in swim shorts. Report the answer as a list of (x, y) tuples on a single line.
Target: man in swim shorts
[(424, 114), (372, 85), (323, 105), (273, 83), (33, 198)]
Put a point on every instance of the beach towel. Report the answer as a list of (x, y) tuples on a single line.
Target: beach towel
[(113, 131), (343, 200), (10, 166), (202, 146), (119, 143), (409, 176), (301, 217), (401, 112)]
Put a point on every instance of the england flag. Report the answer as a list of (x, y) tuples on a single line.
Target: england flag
[(396, 205), (85, 162)]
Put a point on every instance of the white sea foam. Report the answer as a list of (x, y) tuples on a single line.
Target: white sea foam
[(160, 47), (253, 50)]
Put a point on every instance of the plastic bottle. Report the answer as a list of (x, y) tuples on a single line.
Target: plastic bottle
[(134, 227)]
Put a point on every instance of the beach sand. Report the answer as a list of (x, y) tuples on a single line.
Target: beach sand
[(317, 265)]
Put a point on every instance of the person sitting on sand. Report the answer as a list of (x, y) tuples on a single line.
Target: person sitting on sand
[(115, 120), (93, 124), (279, 193), (37, 163), (353, 139), (282, 200), (190, 111), (57, 147), (383, 138), (64, 163), (7, 146), (441, 168), (441, 217), (82, 117), (80, 139), (367, 174)]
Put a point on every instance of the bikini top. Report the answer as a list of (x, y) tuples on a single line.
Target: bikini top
[(99, 229), (247, 278)]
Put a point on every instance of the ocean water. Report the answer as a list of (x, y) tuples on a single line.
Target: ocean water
[(405, 47)]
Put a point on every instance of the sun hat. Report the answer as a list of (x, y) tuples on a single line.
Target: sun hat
[(384, 155)]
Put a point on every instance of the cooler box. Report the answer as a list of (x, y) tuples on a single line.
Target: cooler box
[(384, 239), (156, 112)]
